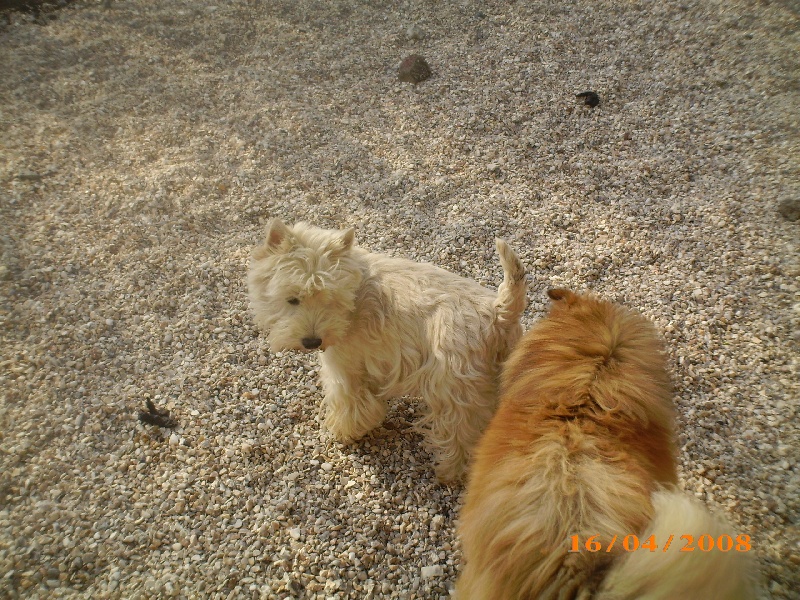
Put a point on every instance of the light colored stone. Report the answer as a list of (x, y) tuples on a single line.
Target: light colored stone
[(431, 571)]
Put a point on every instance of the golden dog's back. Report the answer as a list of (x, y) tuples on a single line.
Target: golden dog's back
[(583, 438)]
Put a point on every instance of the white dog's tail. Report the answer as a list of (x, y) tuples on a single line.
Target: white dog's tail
[(705, 560), (512, 293)]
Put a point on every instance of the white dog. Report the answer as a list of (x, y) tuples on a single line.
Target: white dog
[(389, 327)]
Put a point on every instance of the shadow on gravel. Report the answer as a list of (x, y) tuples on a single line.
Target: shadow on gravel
[(43, 11)]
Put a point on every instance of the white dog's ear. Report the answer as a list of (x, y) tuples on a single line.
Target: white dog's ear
[(277, 234), (342, 242)]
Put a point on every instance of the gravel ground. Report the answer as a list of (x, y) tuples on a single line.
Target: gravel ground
[(145, 145)]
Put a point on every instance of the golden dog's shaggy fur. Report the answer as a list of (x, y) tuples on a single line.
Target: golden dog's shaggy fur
[(583, 444)]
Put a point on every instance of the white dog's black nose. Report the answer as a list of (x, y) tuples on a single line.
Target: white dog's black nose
[(311, 343)]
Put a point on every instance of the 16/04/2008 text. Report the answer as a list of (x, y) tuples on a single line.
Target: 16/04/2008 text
[(630, 543)]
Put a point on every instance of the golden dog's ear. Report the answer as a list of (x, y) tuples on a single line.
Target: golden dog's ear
[(560, 294)]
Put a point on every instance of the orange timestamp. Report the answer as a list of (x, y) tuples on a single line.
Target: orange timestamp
[(631, 543)]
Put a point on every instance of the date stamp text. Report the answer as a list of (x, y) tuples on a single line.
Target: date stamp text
[(631, 543)]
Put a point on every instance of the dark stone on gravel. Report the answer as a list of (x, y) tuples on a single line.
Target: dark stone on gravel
[(590, 99), (790, 209), (157, 417), (26, 175), (414, 69)]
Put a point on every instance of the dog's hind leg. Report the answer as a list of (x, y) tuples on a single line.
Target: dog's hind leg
[(454, 424)]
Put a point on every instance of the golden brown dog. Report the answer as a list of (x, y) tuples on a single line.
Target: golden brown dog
[(572, 493)]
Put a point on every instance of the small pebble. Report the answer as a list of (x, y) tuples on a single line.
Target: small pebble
[(415, 33), (432, 571)]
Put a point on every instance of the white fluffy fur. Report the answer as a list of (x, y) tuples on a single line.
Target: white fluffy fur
[(389, 327), (677, 574)]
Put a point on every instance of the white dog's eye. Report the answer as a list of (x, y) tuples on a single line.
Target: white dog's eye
[(293, 301)]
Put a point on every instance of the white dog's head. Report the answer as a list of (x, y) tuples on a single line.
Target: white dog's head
[(302, 284)]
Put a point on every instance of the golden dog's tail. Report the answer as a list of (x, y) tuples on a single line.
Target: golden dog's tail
[(512, 293), (696, 557)]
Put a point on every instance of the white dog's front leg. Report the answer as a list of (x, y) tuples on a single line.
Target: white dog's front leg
[(351, 410)]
